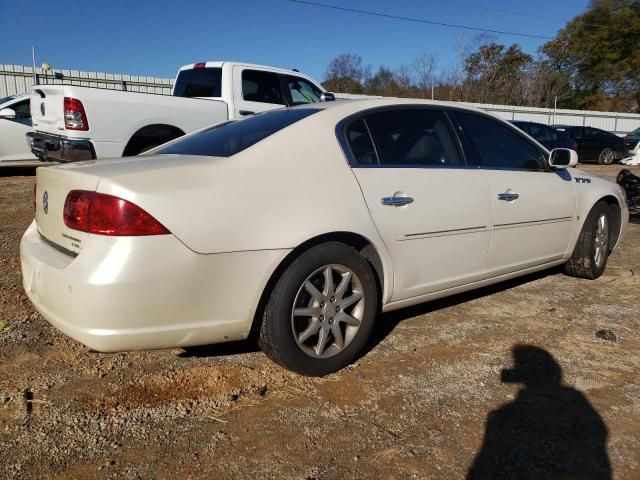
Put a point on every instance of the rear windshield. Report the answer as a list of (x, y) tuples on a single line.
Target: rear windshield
[(230, 138), (200, 82)]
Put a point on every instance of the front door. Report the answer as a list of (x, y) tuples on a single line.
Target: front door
[(533, 207), (431, 211)]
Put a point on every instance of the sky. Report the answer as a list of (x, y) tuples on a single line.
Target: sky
[(155, 37)]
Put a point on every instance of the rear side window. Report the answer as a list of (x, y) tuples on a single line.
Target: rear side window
[(413, 137), (263, 87), (498, 146), (199, 82), (360, 143), (230, 138)]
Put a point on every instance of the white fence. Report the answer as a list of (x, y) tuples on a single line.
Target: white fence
[(18, 79)]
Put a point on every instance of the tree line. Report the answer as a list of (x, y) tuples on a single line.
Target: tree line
[(592, 64)]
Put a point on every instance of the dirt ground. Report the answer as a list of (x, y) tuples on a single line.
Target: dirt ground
[(428, 400)]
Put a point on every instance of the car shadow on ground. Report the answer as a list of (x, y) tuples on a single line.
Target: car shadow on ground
[(17, 171), (385, 323), (549, 431)]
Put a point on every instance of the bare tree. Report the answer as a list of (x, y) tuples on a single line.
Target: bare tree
[(424, 67), (345, 73)]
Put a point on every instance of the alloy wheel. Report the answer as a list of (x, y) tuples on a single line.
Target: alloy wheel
[(328, 311), (601, 240)]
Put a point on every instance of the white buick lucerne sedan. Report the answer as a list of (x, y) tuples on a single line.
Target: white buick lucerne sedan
[(302, 224)]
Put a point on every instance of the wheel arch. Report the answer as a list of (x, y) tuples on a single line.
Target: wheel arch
[(159, 132), (362, 244), (616, 218)]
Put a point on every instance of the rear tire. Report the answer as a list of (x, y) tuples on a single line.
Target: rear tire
[(606, 157), (591, 253), (321, 311)]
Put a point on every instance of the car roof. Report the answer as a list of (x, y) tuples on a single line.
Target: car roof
[(14, 99), (220, 63), (352, 106)]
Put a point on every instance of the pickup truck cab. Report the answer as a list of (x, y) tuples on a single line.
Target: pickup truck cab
[(73, 123)]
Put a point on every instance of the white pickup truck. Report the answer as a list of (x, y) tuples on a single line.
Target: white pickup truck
[(80, 123)]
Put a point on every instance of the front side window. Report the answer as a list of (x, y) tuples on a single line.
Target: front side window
[(498, 146), (302, 91), (22, 109), (413, 136), (260, 86), (199, 82), (230, 138)]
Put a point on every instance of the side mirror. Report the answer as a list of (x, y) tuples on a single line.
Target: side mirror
[(563, 158), (7, 113), (327, 97)]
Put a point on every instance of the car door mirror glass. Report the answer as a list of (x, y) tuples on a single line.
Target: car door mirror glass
[(563, 158), (327, 97), (7, 113)]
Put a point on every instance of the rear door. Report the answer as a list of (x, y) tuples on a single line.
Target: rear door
[(259, 90), (533, 207), (432, 212)]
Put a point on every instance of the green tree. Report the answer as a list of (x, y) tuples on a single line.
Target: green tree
[(600, 52), (494, 73)]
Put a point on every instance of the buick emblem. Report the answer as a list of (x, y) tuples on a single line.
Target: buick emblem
[(42, 108), (45, 202)]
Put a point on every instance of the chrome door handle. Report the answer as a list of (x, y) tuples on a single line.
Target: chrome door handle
[(396, 201), (508, 196)]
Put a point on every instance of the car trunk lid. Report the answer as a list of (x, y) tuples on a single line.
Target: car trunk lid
[(52, 186)]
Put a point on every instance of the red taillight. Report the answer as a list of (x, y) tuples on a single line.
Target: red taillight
[(200, 65), (75, 118), (103, 214)]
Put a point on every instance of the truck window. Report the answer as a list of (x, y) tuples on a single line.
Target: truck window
[(302, 91), (230, 138), (199, 82), (260, 86)]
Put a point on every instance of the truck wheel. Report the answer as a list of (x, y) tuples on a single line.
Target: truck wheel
[(321, 311), (590, 255), (606, 157)]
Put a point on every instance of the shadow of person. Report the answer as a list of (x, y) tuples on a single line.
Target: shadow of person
[(550, 431)]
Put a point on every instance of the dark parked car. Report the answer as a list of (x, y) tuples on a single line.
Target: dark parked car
[(546, 135), (595, 144), (631, 142)]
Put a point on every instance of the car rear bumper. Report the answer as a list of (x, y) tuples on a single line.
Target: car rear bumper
[(139, 293), (53, 148)]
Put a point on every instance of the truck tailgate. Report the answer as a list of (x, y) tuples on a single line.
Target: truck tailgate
[(47, 107)]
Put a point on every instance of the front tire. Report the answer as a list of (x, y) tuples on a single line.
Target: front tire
[(591, 253), (321, 311), (606, 157)]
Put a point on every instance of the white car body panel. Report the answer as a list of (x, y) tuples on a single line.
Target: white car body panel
[(536, 227), (234, 220), (449, 217), (14, 150)]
